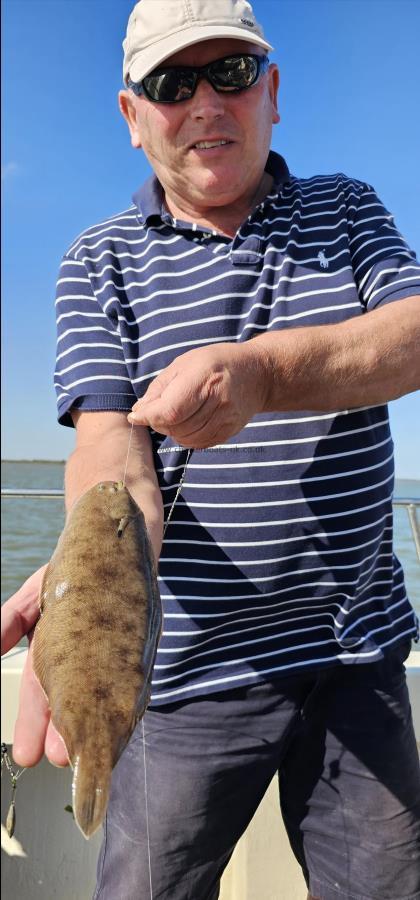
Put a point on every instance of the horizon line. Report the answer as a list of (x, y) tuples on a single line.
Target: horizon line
[(63, 461)]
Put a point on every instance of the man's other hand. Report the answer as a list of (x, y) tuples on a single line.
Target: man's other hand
[(34, 731)]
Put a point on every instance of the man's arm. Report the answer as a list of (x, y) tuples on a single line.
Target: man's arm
[(207, 395), (365, 361), (100, 454)]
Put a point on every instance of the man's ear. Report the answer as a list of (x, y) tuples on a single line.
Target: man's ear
[(274, 84), (127, 105)]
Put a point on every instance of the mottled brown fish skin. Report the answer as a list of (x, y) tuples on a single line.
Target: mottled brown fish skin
[(96, 639)]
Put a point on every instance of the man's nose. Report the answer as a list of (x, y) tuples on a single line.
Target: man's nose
[(206, 102)]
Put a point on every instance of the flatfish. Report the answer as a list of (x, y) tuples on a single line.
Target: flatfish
[(96, 640)]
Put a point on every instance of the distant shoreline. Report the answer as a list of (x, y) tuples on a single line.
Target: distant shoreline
[(60, 462)]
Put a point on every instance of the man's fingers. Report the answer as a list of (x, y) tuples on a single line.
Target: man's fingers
[(55, 748), (156, 387), (163, 416), (32, 721), (11, 628), (177, 406), (20, 613)]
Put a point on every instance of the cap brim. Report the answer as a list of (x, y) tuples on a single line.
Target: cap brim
[(148, 59)]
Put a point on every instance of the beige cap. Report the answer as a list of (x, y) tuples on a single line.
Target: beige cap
[(158, 28)]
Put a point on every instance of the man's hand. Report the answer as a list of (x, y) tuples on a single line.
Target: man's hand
[(205, 395), (34, 732)]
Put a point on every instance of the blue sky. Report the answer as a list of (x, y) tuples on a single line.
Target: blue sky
[(348, 102)]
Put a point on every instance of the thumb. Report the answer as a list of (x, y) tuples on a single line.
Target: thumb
[(156, 388), (20, 613)]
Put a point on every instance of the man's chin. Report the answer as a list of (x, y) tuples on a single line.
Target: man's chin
[(211, 184)]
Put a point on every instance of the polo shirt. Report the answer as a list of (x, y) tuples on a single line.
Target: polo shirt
[(278, 556)]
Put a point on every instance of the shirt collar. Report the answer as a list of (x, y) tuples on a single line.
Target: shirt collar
[(149, 198)]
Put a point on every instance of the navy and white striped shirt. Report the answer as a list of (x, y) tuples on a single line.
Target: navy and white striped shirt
[(278, 556)]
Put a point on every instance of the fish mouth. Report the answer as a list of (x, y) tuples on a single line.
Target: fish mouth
[(113, 487)]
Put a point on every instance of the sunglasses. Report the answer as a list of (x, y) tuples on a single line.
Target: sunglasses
[(229, 75)]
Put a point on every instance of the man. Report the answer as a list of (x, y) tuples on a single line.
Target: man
[(237, 308)]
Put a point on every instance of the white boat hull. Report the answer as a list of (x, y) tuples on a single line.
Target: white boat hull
[(48, 859)]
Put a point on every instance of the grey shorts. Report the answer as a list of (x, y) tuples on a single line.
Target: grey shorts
[(343, 745)]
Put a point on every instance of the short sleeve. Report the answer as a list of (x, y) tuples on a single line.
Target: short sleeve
[(385, 269), (90, 373)]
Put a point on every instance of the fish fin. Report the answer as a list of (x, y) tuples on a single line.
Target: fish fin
[(90, 793), (43, 591), (122, 524), (39, 655)]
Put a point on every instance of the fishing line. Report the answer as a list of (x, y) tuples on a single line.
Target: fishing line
[(144, 737), (181, 481), (128, 453), (147, 812)]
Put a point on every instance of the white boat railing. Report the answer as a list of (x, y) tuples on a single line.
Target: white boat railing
[(32, 494), (411, 504)]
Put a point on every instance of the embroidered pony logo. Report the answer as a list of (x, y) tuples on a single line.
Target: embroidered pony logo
[(323, 259)]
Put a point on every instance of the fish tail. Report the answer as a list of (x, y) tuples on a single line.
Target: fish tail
[(90, 792)]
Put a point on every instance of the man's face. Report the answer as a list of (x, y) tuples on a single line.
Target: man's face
[(169, 133)]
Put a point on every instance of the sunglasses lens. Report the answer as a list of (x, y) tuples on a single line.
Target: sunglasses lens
[(170, 85), (234, 73)]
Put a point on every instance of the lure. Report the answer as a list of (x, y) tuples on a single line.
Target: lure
[(14, 775)]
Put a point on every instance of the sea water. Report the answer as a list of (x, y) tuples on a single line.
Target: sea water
[(30, 527)]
